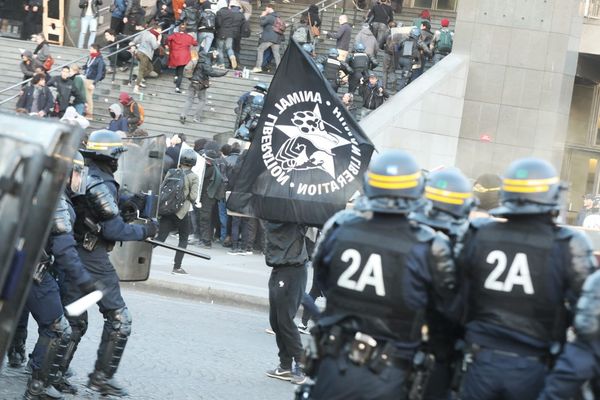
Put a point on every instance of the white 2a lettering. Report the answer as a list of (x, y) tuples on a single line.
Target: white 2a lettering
[(372, 273), (518, 274)]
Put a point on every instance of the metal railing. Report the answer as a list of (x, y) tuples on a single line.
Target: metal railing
[(68, 63), (592, 9)]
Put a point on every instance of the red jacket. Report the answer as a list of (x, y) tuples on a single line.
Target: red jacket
[(179, 48)]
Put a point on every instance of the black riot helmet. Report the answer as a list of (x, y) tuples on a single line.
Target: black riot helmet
[(188, 157), (529, 186), (394, 183), (450, 202), (104, 145), (449, 191), (587, 316)]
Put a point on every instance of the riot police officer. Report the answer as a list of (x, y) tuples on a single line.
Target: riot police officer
[(245, 102), (98, 226), (249, 118), (44, 302), (361, 63), (310, 50), (411, 55), (450, 201), (379, 274), (520, 273), (332, 68), (580, 361)]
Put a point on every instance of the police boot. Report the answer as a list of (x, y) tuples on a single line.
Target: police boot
[(16, 352), (78, 329), (64, 386), (112, 346), (39, 389)]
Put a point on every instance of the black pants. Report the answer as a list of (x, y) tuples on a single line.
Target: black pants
[(205, 226), (179, 75), (117, 25), (286, 288), (315, 293), (169, 223)]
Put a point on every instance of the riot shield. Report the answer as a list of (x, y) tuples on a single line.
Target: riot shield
[(140, 171), (35, 156)]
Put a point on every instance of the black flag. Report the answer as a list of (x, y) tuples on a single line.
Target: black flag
[(307, 156)]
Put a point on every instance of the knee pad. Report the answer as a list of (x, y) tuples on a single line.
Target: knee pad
[(79, 325), (120, 320), (61, 328)]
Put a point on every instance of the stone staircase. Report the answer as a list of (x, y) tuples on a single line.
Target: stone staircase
[(161, 104)]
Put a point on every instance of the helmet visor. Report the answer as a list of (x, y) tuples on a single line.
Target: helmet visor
[(78, 178)]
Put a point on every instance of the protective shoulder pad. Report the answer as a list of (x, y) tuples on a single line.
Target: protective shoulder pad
[(102, 201), (62, 218), (340, 218), (423, 233)]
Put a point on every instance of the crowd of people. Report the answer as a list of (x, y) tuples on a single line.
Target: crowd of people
[(199, 40)]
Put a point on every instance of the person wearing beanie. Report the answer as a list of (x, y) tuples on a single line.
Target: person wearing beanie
[(424, 16), (95, 70), (146, 43), (442, 41), (118, 121), (131, 111)]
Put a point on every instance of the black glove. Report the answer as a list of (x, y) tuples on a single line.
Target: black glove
[(151, 228), (90, 286)]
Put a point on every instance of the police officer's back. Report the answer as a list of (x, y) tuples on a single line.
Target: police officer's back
[(410, 57), (361, 63), (520, 273), (379, 273), (450, 201), (332, 68)]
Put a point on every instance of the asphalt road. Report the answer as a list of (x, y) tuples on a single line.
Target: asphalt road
[(179, 349)]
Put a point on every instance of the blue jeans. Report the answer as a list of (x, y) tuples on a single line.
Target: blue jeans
[(207, 38), (223, 44), (222, 219), (80, 108), (87, 23)]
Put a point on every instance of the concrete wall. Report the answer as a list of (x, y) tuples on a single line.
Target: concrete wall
[(504, 93), (425, 117), (590, 37), (523, 58)]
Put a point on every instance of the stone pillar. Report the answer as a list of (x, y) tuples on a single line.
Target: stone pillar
[(522, 63)]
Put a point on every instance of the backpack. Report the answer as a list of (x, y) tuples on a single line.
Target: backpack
[(141, 110), (245, 30), (279, 26), (172, 196), (444, 43), (301, 35), (208, 19)]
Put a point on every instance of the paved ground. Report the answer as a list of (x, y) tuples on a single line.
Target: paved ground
[(181, 349)]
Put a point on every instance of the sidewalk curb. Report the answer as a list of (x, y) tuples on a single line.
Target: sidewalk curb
[(201, 293)]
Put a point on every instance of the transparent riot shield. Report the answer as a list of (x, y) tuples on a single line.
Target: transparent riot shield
[(140, 172), (35, 156)]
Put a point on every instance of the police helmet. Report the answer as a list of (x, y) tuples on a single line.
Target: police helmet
[(258, 101), (307, 47), (394, 183), (261, 87), (449, 191), (415, 33), (450, 201), (359, 47), (188, 157), (587, 316), (243, 133), (104, 144), (529, 186), (333, 52)]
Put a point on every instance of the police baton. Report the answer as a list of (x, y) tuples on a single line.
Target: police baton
[(170, 247), (81, 305)]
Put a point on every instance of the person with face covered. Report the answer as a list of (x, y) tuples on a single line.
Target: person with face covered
[(118, 121)]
